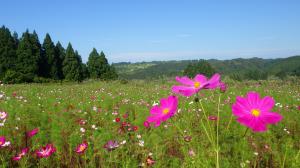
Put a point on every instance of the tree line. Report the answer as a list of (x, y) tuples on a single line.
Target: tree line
[(25, 59)]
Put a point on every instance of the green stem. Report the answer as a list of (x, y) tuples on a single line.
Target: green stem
[(245, 132), (229, 122), (218, 123), (207, 121)]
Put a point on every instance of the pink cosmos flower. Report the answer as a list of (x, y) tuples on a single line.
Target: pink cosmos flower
[(3, 115), (32, 132), (45, 151), (254, 112), (81, 147), (192, 86), (213, 118), (298, 107), (2, 141), (24, 151), (146, 124), (223, 87), (167, 109), (111, 145)]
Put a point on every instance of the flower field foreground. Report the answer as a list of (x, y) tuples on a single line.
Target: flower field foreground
[(182, 122)]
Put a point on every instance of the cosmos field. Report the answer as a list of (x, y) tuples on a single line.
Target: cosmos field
[(105, 124)]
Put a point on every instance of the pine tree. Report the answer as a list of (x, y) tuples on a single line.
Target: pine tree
[(28, 56), (50, 59), (60, 53), (7, 51), (104, 66), (93, 65), (72, 69)]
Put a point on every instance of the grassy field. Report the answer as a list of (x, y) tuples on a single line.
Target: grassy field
[(68, 114)]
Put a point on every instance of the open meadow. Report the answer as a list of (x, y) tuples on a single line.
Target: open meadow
[(102, 124)]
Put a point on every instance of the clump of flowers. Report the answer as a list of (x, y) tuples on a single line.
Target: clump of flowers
[(254, 112), (167, 109), (81, 147), (45, 151), (19, 156), (190, 87)]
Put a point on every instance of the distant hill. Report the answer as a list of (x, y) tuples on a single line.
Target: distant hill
[(158, 69)]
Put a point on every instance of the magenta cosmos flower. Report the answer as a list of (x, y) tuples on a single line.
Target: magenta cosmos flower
[(167, 109), (81, 147), (192, 86), (20, 155), (46, 151), (32, 132), (2, 141), (254, 112)]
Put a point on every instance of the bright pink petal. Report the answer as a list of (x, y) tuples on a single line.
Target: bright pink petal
[(185, 80), (200, 78), (241, 107), (267, 103), (253, 99), (214, 81), (155, 110), (184, 90), (271, 117), (259, 125)]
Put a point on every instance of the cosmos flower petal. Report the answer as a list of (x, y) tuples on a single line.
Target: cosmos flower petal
[(184, 90), (271, 117), (240, 107), (258, 125), (267, 103), (155, 110), (200, 78), (213, 82), (253, 99), (184, 80)]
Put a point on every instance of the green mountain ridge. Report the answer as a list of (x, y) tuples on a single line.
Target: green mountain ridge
[(159, 69)]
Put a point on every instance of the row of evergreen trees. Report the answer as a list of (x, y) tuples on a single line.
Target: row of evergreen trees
[(25, 59)]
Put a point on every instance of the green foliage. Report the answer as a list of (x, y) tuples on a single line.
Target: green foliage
[(28, 56), (99, 68), (60, 53), (49, 60), (93, 64), (12, 76), (281, 75), (199, 67), (256, 75), (7, 51), (236, 76), (26, 60), (72, 69)]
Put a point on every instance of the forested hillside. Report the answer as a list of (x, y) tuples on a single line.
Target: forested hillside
[(156, 69)]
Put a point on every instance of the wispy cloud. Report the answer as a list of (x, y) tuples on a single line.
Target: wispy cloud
[(183, 35)]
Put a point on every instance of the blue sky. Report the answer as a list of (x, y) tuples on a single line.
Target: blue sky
[(146, 30)]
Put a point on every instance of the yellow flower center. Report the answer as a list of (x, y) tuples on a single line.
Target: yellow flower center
[(81, 148), (166, 111), (255, 112), (1, 143), (197, 85)]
